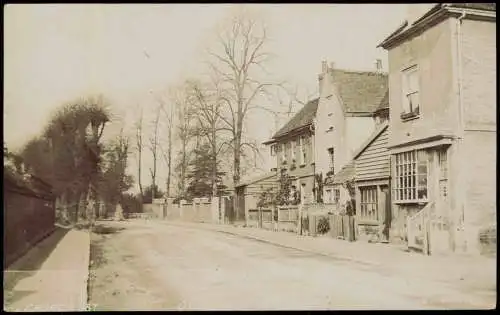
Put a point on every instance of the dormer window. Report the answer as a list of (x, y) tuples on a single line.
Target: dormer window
[(411, 89)]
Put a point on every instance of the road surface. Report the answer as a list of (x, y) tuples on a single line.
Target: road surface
[(148, 265)]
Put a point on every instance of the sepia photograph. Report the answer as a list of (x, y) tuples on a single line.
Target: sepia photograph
[(238, 156)]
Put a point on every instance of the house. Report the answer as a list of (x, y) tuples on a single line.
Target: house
[(344, 121), (292, 147), (248, 193), (442, 131)]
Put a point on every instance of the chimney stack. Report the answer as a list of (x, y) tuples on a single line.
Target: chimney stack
[(324, 66), (378, 65)]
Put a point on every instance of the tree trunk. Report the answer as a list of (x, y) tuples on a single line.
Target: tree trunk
[(167, 192)]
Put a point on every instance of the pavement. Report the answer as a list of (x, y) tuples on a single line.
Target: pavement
[(52, 276), (471, 272), (157, 265)]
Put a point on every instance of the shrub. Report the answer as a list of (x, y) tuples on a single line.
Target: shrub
[(323, 225)]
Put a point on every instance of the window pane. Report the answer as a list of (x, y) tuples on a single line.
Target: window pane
[(422, 193), (422, 181), (413, 80)]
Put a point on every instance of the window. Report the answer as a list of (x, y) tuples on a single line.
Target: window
[(411, 100), (332, 160), (443, 173), (410, 182), (288, 150), (336, 196), (329, 196), (368, 203), (302, 144), (283, 153), (273, 150), (293, 148)]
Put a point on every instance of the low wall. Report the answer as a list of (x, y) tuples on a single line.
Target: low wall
[(200, 210)]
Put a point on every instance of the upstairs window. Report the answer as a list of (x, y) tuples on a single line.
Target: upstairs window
[(283, 153), (288, 151), (303, 151), (411, 89), (293, 149), (332, 160), (273, 150)]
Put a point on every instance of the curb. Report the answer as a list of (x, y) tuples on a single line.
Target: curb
[(85, 297)]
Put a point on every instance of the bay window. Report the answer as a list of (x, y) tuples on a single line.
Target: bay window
[(410, 182)]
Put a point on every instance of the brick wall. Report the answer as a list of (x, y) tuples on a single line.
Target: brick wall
[(27, 220)]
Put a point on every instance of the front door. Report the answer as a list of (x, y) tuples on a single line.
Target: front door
[(439, 229), (385, 212)]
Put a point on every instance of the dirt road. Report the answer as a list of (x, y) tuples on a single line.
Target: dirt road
[(147, 265)]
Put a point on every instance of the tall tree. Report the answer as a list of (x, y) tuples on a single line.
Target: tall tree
[(139, 148), (183, 132), (114, 181), (207, 109), (71, 145), (154, 145), (238, 59)]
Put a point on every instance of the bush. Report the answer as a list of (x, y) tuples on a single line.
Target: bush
[(323, 225)]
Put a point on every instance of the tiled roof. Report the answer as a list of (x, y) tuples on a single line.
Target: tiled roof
[(361, 91), (303, 118), (345, 174), (384, 103)]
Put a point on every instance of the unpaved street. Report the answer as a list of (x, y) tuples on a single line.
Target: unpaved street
[(147, 265)]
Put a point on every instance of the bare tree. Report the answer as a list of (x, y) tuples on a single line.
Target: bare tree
[(238, 61), (139, 147), (153, 147), (184, 118), (207, 109), (167, 154)]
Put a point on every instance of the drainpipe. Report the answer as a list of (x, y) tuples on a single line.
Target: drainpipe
[(461, 134)]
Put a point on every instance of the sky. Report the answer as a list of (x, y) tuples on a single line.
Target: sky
[(54, 53)]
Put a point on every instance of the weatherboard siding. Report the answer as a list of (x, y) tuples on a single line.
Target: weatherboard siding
[(374, 161)]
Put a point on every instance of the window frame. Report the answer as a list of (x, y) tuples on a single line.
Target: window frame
[(273, 150), (302, 144), (331, 154), (409, 111), (368, 199), (407, 175)]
